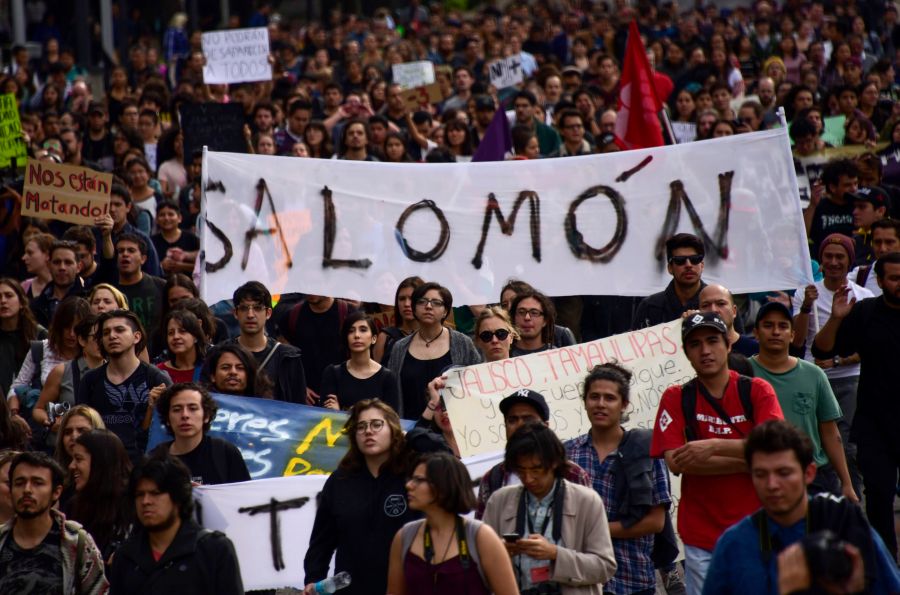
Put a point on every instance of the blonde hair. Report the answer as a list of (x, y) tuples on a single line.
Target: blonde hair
[(496, 312), (120, 298), (90, 414)]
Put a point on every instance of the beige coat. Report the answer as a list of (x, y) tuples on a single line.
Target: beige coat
[(585, 560)]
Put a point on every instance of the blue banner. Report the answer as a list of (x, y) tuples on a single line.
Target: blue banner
[(276, 438)]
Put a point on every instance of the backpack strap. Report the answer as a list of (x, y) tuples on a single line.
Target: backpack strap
[(270, 354), (495, 479), (408, 535), (472, 527), (689, 409), (745, 389), (862, 275), (37, 356), (293, 316)]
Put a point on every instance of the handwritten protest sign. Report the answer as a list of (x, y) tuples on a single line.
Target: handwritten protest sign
[(12, 145), (276, 438), (65, 192), (236, 56), (421, 97), (218, 126), (584, 225), (410, 75), (810, 168), (227, 508), (506, 72), (653, 355)]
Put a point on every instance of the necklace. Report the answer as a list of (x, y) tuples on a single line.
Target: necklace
[(429, 342)]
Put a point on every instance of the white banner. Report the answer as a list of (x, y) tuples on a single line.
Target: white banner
[(410, 75), (236, 56), (574, 226), (244, 512), (506, 72)]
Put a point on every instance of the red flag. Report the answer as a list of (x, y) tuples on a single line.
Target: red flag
[(637, 123)]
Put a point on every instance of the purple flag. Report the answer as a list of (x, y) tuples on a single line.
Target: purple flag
[(497, 141)]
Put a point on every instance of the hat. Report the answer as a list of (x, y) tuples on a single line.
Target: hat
[(571, 70), (873, 194), (772, 307), (702, 320), (529, 397), (485, 102), (844, 241), (96, 106)]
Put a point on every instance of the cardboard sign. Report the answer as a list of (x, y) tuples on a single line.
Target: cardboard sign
[(507, 72), (12, 145), (421, 97), (65, 192), (236, 56), (219, 126), (410, 75)]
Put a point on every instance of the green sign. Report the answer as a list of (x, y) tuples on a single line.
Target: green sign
[(12, 145)]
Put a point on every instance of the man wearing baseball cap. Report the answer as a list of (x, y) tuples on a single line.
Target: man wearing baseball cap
[(870, 204), (700, 431), (97, 142), (805, 396), (812, 307), (519, 408)]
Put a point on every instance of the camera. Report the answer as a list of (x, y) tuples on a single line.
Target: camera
[(827, 557), (56, 410)]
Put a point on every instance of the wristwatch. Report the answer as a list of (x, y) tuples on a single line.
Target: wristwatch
[(836, 361)]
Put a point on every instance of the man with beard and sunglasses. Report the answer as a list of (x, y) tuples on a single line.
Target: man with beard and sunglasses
[(871, 328), (40, 551), (169, 552), (684, 255)]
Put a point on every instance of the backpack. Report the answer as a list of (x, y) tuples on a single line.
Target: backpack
[(862, 275), (294, 316), (689, 392)]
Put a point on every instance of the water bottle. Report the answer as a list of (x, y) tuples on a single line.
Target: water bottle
[(333, 583)]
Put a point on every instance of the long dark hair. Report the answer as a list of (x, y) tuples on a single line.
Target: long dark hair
[(354, 459), (190, 323), (101, 506), (68, 313), (26, 325), (413, 282), (258, 383)]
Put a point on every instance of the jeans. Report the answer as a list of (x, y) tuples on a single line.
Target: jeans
[(696, 564), (845, 392)]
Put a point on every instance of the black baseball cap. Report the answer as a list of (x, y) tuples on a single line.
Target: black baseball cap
[(773, 307), (872, 194), (485, 102), (529, 397), (702, 320)]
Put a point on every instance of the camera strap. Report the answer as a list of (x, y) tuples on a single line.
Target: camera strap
[(465, 558), (769, 544), (556, 506)]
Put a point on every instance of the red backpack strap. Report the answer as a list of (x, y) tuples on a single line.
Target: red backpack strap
[(293, 316)]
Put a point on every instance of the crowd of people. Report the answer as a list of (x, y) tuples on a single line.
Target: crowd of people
[(102, 325)]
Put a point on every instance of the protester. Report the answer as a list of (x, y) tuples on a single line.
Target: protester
[(404, 320), (494, 334), (232, 370), (186, 346), (105, 297), (18, 328), (187, 411), (78, 420), (169, 551), (684, 254), (473, 561), (363, 503)]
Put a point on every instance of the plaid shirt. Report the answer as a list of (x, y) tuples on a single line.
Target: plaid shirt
[(574, 474), (635, 571)]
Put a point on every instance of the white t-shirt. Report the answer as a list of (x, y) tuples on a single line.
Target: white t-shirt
[(819, 316)]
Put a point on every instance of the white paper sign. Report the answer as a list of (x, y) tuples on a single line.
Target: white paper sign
[(251, 534), (410, 75), (236, 56), (506, 72), (585, 225)]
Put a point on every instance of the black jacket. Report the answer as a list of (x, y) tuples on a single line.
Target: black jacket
[(284, 369), (358, 516), (197, 561), (663, 307)]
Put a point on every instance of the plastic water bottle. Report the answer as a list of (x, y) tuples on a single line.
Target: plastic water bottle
[(333, 583)]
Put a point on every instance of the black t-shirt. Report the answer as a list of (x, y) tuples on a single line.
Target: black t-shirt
[(319, 338), (414, 378), (100, 151), (830, 218), (337, 380), (145, 298), (38, 571), (214, 461), (188, 242), (12, 354)]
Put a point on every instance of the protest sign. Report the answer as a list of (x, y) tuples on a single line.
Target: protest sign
[(276, 438), (653, 355), (592, 225), (228, 508), (685, 132), (236, 56), (219, 126), (506, 72), (809, 169), (12, 145), (65, 192), (410, 75), (421, 97)]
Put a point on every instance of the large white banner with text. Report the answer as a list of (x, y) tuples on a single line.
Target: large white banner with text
[(580, 225)]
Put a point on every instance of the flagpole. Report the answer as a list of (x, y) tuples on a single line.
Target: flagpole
[(664, 116)]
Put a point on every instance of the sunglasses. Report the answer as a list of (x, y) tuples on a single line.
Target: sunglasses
[(500, 333), (694, 259)]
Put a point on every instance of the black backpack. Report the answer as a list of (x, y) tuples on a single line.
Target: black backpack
[(689, 391)]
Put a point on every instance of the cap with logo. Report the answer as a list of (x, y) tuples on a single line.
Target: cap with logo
[(872, 194), (702, 320), (529, 397)]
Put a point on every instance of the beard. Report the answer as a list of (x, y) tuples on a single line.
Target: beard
[(891, 299), (165, 524), (33, 513)]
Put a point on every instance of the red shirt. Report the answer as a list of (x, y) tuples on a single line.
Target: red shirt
[(710, 504), (176, 375)]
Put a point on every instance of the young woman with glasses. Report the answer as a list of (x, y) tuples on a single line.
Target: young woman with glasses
[(363, 503), (424, 355)]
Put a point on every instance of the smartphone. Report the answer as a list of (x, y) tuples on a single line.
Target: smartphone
[(512, 537)]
